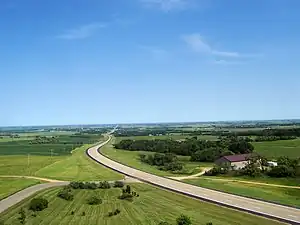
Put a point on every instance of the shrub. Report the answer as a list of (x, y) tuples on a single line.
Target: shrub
[(119, 184), (128, 189), (22, 217), (83, 214), (210, 223), (66, 194), (164, 223), (72, 213), (38, 204), (117, 211), (183, 220), (91, 186), (104, 185), (94, 200), (282, 171), (126, 196), (110, 214)]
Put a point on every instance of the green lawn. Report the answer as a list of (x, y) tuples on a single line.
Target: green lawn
[(78, 167), (9, 186), (279, 195), (153, 205), (275, 149), (131, 158)]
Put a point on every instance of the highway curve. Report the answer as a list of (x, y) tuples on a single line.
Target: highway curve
[(266, 209)]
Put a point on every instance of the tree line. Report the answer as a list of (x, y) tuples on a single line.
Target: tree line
[(199, 150)]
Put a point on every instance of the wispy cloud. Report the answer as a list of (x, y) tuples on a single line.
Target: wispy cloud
[(167, 5), (155, 52), (82, 32), (197, 43)]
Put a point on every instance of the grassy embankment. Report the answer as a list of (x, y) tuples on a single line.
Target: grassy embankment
[(9, 186), (288, 196), (153, 205)]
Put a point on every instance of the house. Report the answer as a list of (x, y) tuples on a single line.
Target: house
[(234, 161)]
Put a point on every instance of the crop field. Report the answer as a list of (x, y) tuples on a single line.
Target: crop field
[(62, 146), (286, 196), (275, 149), (9, 186), (151, 207), (174, 137), (131, 158)]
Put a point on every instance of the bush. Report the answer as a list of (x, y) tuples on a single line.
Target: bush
[(114, 213), (66, 194), (94, 200), (210, 223), (38, 204), (83, 214), (91, 186), (216, 171), (110, 214), (164, 223), (104, 185), (282, 171), (119, 184), (126, 196), (183, 220), (72, 213)]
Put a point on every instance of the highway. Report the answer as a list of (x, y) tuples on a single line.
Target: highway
[(266, 209)]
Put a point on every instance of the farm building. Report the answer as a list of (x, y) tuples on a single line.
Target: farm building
[(234, 161)]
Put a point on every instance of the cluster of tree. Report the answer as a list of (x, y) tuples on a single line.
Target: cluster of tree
[(94, 200), (273, 138), (38, 204), (90, 185), (166, 162), (181, 220), (199, 150), (66, 193), (128, 194), (258, 166), (44, 140), (279, 132)]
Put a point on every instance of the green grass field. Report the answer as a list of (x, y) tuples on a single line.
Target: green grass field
[(131, 158), (18, 164), (275, 194), (275, 149), (10, 186), (153, 206), (78, 167)]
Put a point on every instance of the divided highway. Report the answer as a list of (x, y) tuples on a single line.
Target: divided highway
[(270, 210)]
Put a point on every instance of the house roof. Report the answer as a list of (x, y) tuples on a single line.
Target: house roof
[(237, 158)]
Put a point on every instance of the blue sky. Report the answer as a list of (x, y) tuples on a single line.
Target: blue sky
[(100, 61)]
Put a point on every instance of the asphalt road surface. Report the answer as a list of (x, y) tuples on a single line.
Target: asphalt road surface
[(270, 210), (19, 196)]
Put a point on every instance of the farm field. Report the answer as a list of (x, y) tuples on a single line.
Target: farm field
[(131, 158), (78, 167), (61, 145), (275, 194), (275, 149), (9, 186), (153, 206), (174, 137)]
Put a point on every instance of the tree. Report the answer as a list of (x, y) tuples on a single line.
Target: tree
[(38, 204), (94, 200), (66, 194), (22, 217), (183, 220)]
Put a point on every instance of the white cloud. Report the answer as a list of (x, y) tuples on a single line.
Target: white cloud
[(82, 32), (197, 43), (167, 5)]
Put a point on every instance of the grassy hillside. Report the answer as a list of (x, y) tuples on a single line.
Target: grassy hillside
[(153, 205), (78, 167)]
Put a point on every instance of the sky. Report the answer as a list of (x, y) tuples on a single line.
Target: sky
[(143, 61)]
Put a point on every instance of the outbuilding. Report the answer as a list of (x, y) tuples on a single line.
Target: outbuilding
[(234, 161)]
